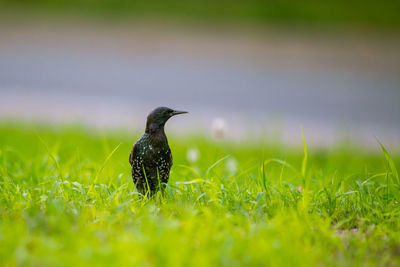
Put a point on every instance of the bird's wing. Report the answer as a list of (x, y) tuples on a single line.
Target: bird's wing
[(131, 156)]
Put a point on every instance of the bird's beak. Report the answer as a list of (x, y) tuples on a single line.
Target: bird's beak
[(177, 112)]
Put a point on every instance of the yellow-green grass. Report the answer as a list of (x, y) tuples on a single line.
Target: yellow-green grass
[(67, 199)]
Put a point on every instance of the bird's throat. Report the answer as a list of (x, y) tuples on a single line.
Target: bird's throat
[(155, 128), (156, 134)]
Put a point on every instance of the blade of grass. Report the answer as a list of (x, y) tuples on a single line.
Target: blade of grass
[(189, 168), (391, 164), (102, 167), (50, 154), (215, 164), (282, 162), (304, 162)]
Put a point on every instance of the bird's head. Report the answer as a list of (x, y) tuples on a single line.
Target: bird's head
[(158, 117)]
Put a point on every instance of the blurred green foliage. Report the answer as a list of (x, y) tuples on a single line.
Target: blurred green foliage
[(309, 12)]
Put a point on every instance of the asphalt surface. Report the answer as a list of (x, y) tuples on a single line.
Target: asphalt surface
[(262, 84)]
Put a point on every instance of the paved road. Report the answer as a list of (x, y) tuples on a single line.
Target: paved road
[(268, 84)]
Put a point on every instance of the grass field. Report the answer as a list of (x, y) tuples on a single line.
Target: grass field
[(67, 198), (355, 13)]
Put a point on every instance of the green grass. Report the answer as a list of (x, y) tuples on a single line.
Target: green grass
[(67, 199), (364, 13)]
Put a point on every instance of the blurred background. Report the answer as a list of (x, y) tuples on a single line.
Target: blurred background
[(258, 69)]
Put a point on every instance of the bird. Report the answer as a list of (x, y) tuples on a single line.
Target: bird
[(151, 156)]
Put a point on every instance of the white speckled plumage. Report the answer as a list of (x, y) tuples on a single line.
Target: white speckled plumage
[(151, 157)]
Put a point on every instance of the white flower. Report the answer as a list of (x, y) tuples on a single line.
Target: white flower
[(193, 155), (231, 166), (219, 128)]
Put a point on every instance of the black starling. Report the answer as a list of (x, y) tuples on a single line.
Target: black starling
[(151, 157)]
